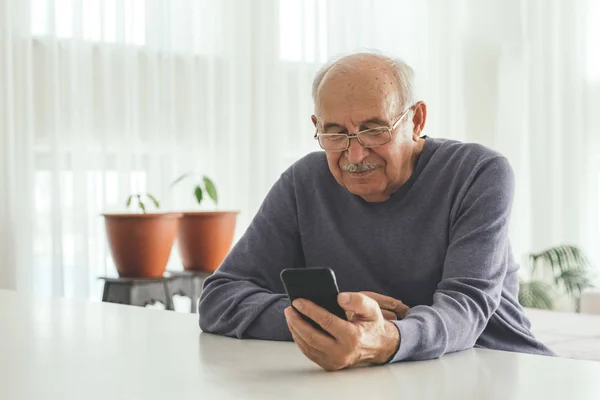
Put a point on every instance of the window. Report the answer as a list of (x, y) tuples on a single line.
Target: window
[(593, 42), (183, 26), (76, 237), (302, 30), (97, 20)]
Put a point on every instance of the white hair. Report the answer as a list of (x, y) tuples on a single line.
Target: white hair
[(403, 73)]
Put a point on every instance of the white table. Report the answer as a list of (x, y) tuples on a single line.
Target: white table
[(568, 334), (67, 349)]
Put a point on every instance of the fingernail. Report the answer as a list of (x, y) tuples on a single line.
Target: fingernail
[(344, 298), (298, 304)]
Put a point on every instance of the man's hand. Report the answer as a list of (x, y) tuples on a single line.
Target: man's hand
[(366, 338), (391, 308)]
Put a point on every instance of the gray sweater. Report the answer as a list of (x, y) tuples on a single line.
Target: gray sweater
[(439, 244)]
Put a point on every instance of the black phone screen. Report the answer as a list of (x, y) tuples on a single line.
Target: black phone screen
[(316, 284)]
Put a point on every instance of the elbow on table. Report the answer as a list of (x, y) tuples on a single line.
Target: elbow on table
[(209, 322), (209, 315), (205, 319)]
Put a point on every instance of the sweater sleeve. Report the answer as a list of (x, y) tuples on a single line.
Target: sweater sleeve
[(244, 298), (473, 273)]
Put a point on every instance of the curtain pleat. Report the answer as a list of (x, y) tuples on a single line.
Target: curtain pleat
[(103, 98)]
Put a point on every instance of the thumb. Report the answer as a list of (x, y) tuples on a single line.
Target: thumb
[(360, 305)]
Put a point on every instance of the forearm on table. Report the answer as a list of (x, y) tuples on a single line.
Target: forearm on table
[(243, 310), (453, 323)]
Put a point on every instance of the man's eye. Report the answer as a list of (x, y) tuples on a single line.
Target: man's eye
[(334, 138), (374, 132)]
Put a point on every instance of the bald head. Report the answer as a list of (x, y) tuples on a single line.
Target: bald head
[(368, 123), (366, 74)]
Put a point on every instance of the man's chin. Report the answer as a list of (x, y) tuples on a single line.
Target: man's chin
[(367, 192)]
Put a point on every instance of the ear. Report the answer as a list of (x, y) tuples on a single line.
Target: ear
[(419, 118), (314, 120)]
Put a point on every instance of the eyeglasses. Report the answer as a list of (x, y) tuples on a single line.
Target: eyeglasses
[(368, 138)]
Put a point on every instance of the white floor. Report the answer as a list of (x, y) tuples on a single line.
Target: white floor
[(568, 334)]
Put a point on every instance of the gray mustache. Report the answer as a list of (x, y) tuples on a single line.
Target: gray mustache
[(362, 167)]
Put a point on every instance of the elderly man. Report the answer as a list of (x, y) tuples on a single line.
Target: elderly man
[(415, 228)]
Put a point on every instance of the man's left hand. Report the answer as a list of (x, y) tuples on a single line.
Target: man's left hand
[(366, 338), (391, 308)]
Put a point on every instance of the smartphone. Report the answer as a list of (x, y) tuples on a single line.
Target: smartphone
[(316, 284)]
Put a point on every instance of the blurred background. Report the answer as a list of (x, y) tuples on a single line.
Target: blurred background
[(103, 98)]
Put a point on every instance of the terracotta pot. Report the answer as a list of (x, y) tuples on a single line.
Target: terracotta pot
[(205, 239), (141, 243)]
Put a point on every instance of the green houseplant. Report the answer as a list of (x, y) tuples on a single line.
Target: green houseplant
[(206, 185), (558, 270), (204, 237), (141, 242), (141, 199)]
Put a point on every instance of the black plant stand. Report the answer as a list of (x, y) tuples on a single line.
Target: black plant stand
[(188, 284), (138, 291), (148, 291)]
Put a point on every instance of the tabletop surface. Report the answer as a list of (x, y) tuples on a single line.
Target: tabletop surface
[(568, 334), (71, 349)]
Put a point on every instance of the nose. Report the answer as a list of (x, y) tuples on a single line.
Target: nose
[(356, 153)]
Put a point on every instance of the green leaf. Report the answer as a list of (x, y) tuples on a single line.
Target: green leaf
[(575, 281), (562, 258), (536, 294), (128, 203), (141, 204), (182, 177), (211, 189), (198, 194), (156, 203), (571, 274)]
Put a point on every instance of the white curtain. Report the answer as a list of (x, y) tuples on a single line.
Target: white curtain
[(538, 104), (103, 98)]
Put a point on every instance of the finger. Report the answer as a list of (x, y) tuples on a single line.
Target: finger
[(363, 306), (311, 336), (335, 326), (389, 315), (321, 359), (389, 303), (385, 302), (401, 310), (311, 353), (324, 357), (379, 298)]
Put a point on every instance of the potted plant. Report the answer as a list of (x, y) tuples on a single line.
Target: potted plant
[(204, 237), (140, 243), (562, 270)]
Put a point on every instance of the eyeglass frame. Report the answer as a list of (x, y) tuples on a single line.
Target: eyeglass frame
[(350, 136)]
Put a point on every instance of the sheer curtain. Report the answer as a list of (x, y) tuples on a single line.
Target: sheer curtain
[(539, 106), (102, 98)]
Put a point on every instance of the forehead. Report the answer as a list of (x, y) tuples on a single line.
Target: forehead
[(356, 94)]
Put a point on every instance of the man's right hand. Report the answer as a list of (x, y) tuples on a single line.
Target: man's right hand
[(392, 309)]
